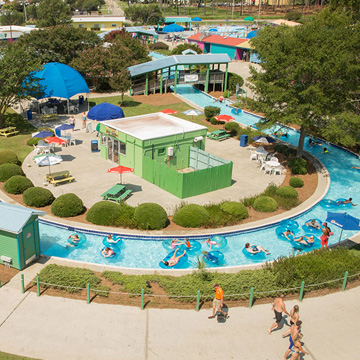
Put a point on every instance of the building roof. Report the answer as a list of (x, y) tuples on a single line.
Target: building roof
[(80, 19), (223, 40), (144, 30), (195, 36), (284, 22), (14, 217), (245, 45), (169, 61), (175, 19), (153, 126)]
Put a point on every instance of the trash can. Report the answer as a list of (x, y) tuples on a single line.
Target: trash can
[(94, 145), (81, 99), (58, 132), (29, 114), (243, 140)]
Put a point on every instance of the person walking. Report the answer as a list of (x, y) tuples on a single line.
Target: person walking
[(84, 118), (324, 238), (294, 317), (294, 332), (218, 301), (72, 121), (297, 348), (278, 307)]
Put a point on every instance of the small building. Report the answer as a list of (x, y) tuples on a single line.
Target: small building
[(145, 34), (19, 235), (166, 151), (13, 32), (180, 20), (99, 23)]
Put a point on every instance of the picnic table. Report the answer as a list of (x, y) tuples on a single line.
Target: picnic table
[(117, 193), (49, 117), (11, 130), (218, 135), (59, 176)]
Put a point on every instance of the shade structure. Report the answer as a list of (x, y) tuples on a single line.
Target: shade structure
[(224, 117), (252, 34), (192, 112), (54, 140), (214, 30), (249, 18), (169, 111), (64, 127), (196, 18), (42, 134), (173, 28), (105, 111), (120, 170), (264, 139), (60, 80), (344, 221), (48, 160)]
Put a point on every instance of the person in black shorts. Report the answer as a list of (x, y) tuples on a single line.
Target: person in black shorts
[(279, 308)]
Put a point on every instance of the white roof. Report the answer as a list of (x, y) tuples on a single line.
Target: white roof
[(153, 126), (99, 19)]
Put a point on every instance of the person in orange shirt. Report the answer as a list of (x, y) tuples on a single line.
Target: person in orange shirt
[(218, 301)]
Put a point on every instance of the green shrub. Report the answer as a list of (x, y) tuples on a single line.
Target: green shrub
[(17, 184), (233, 127), (298, 166), (236, 209), (226, 94), (67, 205), (265, 204), (293, 16), (211, 111), (103, 213), (191, 216), (33, 141), (159, 45), (37, 197), (287, 192), (8, 157), (233, 80), (9, 170), (286, 150), (126, 217), (216, 122), (182, 47), (296, 182), (151, 216)]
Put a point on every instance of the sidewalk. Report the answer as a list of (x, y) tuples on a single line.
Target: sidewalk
[(54, 328)]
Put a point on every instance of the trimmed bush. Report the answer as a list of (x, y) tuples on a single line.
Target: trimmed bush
[(211, 111), (151, 216), (286, 150), (32, 141), (8, 157), (191, 216), (216, 122), (265, 204), (126, 218), (226, 94), (9, 170), (298, 166), (159, 45), (296, 182), (67, 205), (235, 209), (293, 16), (17, 184), (37, 197), (233, 80), (233, 127), (103, 213), (287, 192)]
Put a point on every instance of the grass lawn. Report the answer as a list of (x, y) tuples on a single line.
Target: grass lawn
[(6, 356)]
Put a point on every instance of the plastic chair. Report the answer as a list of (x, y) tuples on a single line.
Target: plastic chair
[(41, 143), (274, 158), (36, 150), (253, 155), (72, 141), (279, 169), (268, 169)]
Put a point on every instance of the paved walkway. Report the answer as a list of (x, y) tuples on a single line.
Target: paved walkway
[(54, 328)]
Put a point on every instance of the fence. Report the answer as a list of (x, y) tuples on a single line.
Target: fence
[(198, 296)]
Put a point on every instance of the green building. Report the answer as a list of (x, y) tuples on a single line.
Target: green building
[(19, 235), (166, 151)]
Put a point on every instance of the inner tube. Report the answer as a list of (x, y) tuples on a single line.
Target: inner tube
[(167, 245), (220, 241), (195, 247), (299, 246), (328, 204), (236, 111), (114, 255), (255, 257), (82, 238), (110, 244), (182, 263), (281, 229), (343, 206), (292, 224), (312, 229), (218, 258)]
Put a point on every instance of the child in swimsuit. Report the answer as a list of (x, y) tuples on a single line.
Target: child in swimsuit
[(174, 259)]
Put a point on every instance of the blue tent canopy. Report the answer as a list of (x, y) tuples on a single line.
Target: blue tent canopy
[(173, 28), (60, 80), (196, 18), (105, 111), (251, 34)]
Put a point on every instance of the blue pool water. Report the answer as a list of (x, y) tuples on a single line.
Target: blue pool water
[(146, 252)]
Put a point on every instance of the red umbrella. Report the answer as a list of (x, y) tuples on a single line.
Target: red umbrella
[(169, 111), (224, 117), (121, 170), (55, 140)]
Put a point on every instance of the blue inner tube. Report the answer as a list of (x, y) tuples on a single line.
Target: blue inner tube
[(110, 244), (290, 224), (312, 229), (113, 256), (255, 257), (194, 248), (167, 245), (217, 258), (182, 263), (328, 204), (220, 241), (343, 206), (82, 238), (236, 111), (300, 246), (281, 229)]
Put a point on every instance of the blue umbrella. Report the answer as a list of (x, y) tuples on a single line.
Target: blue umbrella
[(196, 19), (264, 139), (214, 30), (105, 111), (252, 34), (42, 134), (65, 127), (344, 221), (173, 28)]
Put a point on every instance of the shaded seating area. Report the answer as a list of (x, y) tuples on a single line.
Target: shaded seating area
[(218, 135), (117, 193)]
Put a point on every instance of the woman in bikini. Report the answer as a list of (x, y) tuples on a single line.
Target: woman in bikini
[(210, 243), (294, 317), (297, 348), (174, 259), (325, 236)]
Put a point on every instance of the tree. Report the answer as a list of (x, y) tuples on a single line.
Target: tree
[(310, 75), (12, 18), (88, 5), (182, 47), (53, 12), (16, 67), (351, 6), (146, 15), (59, 44)]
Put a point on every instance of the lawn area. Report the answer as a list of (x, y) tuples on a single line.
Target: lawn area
[(6, 356)]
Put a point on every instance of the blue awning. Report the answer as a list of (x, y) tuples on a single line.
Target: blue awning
[(105, 111)]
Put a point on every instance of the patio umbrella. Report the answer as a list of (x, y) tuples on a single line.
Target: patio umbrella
[(173, 28), (214, 30), (249, 18), (120, 170), (169, 111), (48, 160), (224, 117), (264, 139), (196, 18), (55, 140), (42, 134), (105, 111), (344, 221), (64, 127), (192, 113)]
